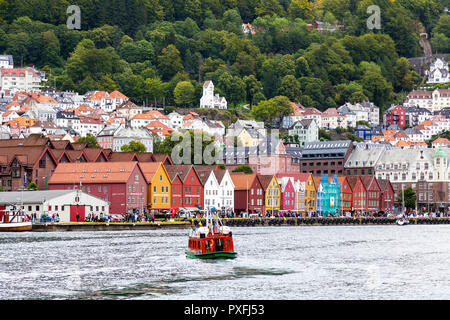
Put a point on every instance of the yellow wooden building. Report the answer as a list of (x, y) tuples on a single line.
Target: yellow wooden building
[(310, 194), (159, 186), (272, 193)]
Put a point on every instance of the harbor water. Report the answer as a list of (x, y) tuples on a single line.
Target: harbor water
[(273, 263)]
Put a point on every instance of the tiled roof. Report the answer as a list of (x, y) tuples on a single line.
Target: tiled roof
[(441, 140), (265, 180), (149, 169), (242, 181), (27, 155), (152, 114), (182, 170), (117, 95), (92, 172)]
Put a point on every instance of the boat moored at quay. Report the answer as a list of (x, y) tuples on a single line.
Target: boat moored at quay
[(14, 221)]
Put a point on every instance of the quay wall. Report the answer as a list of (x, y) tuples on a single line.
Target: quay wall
[(232, 222)]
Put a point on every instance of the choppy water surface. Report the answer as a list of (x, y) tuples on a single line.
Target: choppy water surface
[(336, 262)]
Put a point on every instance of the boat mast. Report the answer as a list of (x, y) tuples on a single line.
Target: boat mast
[(403, 201)]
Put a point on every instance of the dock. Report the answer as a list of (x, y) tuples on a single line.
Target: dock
[(112, 226), (327, 221), (234, 222)]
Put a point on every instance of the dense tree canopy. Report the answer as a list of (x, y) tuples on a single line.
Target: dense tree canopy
[(151, 49)]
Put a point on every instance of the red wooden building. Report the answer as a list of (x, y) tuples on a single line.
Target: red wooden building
[(359, 202), (346, 195), (187, 188), (387, 195), (373, 194), (248, 193), (121, 183), (395, 115)]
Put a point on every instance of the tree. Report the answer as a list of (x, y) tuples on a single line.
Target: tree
[(90, 140), (86, 60), (134, 146), (409, 197), (154, 89), (243, 168), (32, 186), (175, 145), (272, 109), (233, 88), (300, 9), (376, 88), (252, 87), (169, 62), (290, 87), (184, 93), (269, 7)]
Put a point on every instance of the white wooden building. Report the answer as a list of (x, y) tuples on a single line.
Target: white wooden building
[(65, 203)]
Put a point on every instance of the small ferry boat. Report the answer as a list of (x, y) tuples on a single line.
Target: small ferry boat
[(213, 241), (401, 221), (14, 221)]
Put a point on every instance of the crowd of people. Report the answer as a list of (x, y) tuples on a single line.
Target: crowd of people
[(150, 217)]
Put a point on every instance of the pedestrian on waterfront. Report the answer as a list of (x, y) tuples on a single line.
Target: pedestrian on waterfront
[(78, 217), (153, 218)]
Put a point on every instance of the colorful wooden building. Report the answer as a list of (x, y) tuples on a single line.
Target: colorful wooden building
[(248, 193), (272, 194), (159, 188), (346, 195), (122, 184), (310, 193), (373, 194), (187, 189), (358, 194), (328, 196), (387, 195), (287, 193)]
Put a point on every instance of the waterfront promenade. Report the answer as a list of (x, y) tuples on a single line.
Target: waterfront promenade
[(234, 222)]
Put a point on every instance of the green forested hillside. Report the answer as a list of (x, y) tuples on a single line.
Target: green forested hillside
[(145, 48)]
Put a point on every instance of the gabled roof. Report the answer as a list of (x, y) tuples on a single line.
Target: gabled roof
[(27, 155), (265, 180), (181, 170), (122, 156), (368, 180), (342, 180), (93, 154), (204, 171), (163, 157), (242, 181), (382, 183), (92, 172), (149, 169)]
